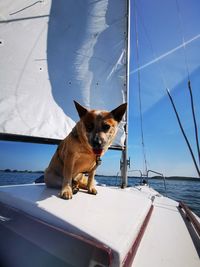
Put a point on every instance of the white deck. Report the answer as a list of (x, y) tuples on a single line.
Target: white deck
[(166, 241), (113, 217)]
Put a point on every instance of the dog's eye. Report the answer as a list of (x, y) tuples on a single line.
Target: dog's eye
[(105, 127), (90, 127)]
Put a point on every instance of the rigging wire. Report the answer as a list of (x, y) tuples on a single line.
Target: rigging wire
[(183, 39), (183, 132), (152, 50), (194, 120), (139, 87), (189, 81)]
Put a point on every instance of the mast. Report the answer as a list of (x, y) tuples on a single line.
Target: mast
[(124, 162)]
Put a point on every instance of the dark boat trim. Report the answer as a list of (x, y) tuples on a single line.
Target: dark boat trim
[(132, 251), (190, 216)]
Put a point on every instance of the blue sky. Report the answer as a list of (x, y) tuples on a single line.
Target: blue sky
[(160, 36), (161, 29)]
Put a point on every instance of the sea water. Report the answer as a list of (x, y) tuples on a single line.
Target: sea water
[(187, 191)]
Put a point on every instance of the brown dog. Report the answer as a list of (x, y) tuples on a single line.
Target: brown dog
[(80, 151)]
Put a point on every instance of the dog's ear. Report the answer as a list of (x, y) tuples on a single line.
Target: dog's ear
[(81, 110), (118, 112)]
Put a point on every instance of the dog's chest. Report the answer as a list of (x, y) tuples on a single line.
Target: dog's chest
[(85, 163)]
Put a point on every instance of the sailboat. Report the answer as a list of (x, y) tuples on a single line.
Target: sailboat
[(53, 52)]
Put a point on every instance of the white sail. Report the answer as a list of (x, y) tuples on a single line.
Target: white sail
[(54, 52)]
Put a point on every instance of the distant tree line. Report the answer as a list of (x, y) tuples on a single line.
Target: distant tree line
[(27, 171)]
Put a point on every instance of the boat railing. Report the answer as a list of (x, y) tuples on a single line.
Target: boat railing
[(160, 174), (144, 178)]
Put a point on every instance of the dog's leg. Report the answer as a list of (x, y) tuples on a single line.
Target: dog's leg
[(52, 179), (90, 185), (81, 181), (66, 191), (75, 183)]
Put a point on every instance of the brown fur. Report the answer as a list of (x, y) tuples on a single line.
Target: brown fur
[(76, 153)]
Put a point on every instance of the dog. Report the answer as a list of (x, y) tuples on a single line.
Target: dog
[(81, 150)]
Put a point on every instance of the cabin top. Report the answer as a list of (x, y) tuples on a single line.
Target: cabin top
[(112, 218)]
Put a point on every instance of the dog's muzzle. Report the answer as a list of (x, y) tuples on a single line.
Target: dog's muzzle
[(97, 145)]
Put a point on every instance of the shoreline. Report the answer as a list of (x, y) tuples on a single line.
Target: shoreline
[(177, 178)]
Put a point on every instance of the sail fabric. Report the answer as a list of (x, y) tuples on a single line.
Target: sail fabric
[(54, 52)]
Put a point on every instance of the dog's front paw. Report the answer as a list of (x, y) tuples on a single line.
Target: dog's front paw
[(92, 191), (66, 193)]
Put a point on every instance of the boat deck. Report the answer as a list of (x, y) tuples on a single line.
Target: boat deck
[(167, 241), (103, 230)]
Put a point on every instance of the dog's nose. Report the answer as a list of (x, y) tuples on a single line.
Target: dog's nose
[(97, 143)]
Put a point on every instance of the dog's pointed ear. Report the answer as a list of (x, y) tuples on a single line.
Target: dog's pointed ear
[(118, 112), (81, 110)]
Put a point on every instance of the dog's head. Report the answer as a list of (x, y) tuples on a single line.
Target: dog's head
[(99, 127)]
